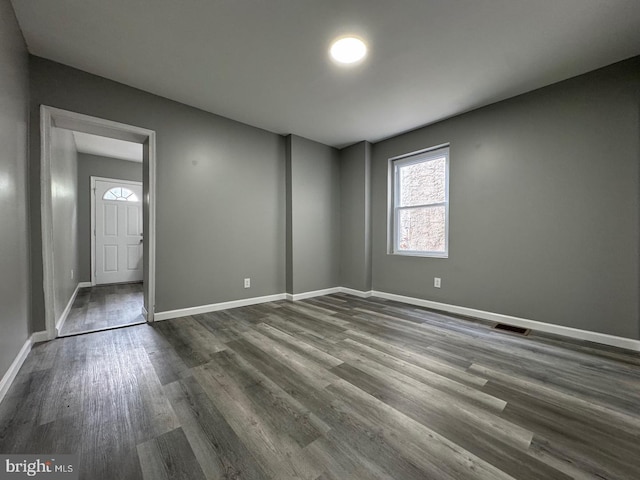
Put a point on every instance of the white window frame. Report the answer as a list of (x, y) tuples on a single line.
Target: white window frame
[(394, 189)]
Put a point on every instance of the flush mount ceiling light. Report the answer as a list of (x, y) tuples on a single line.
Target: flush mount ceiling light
[(348, 50)]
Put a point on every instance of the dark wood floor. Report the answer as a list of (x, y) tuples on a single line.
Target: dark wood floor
[(104, 306), (329, 388)]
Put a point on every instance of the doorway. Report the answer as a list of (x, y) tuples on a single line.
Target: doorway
[(114, 297), (124, 286)]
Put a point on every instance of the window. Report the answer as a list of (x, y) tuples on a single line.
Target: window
[(120, 193), (420, 203)]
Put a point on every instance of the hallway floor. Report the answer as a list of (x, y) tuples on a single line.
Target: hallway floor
[(104, 306)]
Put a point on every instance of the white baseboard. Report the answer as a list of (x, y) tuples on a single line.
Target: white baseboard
[(576, 333), (85, 284), (570, 332), (38, 337), (10, 376), (183, 312), (315, 293), (14, 368), (356, 293), (67, 309)]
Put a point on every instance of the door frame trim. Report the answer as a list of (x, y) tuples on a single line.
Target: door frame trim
[(55, 117), (93, 217)]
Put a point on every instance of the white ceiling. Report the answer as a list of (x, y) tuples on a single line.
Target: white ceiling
[(265, 63), (107, 147)]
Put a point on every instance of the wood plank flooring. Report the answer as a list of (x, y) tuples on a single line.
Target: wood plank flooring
[(334, 387), (104, 306)]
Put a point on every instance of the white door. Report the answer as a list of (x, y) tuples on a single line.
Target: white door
[(118, 231)]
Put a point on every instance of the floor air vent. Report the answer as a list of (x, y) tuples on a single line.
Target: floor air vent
[(511, 329)]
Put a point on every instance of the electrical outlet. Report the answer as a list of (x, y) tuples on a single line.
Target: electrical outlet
[(72, 274), (247, 283), (437, 282)]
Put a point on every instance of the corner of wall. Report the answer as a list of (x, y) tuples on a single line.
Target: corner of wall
[(355, 211), (368, 258), (313, 216), (289, 217)]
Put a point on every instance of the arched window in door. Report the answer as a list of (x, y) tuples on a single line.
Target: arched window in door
[(120, 193)]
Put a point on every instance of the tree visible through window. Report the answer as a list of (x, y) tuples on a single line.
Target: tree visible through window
[(421, 203), (120, 193)]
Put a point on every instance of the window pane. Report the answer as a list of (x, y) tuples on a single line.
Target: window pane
[(422, 229), (121, 194), (422, 183), (128, 195)]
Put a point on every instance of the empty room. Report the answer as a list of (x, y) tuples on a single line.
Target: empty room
[(320, 240)]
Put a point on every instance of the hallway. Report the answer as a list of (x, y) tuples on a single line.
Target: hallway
[(104, 306)]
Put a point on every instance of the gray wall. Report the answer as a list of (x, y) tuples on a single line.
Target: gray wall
[(220, 190), (97, 166), (544, 202), (64, 202), (355, 216), (14, 239), (314, 216), (544, 206)]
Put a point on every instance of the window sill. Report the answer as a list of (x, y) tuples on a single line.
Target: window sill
[(419, 254)]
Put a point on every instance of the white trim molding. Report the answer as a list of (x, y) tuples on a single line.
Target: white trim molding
[(51, 117), (315, 293), (356, 293), (67, 309), (183, 312), (14, 368), (12, 372), (214, 307), (570, 332), (576, 333), (39, 337)]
